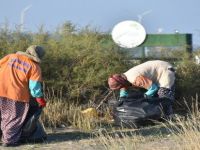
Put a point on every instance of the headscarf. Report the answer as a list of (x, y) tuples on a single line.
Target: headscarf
[(118, 81), (34, 52)]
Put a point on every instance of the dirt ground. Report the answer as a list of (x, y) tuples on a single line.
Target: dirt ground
[(72, 139)]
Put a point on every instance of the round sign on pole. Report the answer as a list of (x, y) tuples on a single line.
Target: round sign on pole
[(128, 34)]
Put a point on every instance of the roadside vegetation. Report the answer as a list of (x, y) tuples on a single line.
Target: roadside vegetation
[(75, 71)]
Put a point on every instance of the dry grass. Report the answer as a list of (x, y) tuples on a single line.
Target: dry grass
[(58, 113), (187, 130), (184, 134), (119, 141), (61, 112)]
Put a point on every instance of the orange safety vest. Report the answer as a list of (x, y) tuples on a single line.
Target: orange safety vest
[(15, 72)]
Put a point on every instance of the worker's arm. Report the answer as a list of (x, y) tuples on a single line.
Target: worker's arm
[(35, 86), (36, 91), (146, 83), (152, 90), (123, 92), (122, 96)]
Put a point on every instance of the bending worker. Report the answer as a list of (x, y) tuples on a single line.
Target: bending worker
[(20, 76), (156, 76)]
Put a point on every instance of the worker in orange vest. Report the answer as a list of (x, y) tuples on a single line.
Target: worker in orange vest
[(20, 78)]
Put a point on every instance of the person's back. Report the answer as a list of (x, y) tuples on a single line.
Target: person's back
[(155, 70), (157, 77), (20, 77), (15, 72)]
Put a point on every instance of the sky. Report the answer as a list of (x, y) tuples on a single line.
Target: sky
[(164, 16)]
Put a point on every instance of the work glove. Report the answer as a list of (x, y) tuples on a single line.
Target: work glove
[(41, 102), (147, 96), (123, 92), (151, 91)]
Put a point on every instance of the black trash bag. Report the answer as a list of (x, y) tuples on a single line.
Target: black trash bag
[(135, 110), (32, 130)]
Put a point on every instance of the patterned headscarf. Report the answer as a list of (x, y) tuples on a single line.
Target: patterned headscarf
[(118, 81)]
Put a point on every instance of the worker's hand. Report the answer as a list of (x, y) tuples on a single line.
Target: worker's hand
[(41, 102), (147, 96), (120, 101)]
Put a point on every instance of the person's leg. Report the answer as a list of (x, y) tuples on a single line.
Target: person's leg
[(169, 110), (13, 116), (0, 113), (169, 94)]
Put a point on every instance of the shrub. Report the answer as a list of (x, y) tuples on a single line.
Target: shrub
[(79, 61), (187, 80)]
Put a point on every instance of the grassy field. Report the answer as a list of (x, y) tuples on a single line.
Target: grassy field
[(181, 133)]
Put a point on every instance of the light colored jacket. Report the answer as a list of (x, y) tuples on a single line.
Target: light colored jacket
[(151, 72)]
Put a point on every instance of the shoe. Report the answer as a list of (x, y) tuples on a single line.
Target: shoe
[(10, 144)]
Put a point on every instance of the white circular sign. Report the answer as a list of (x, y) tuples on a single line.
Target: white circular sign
[(128, 34)]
